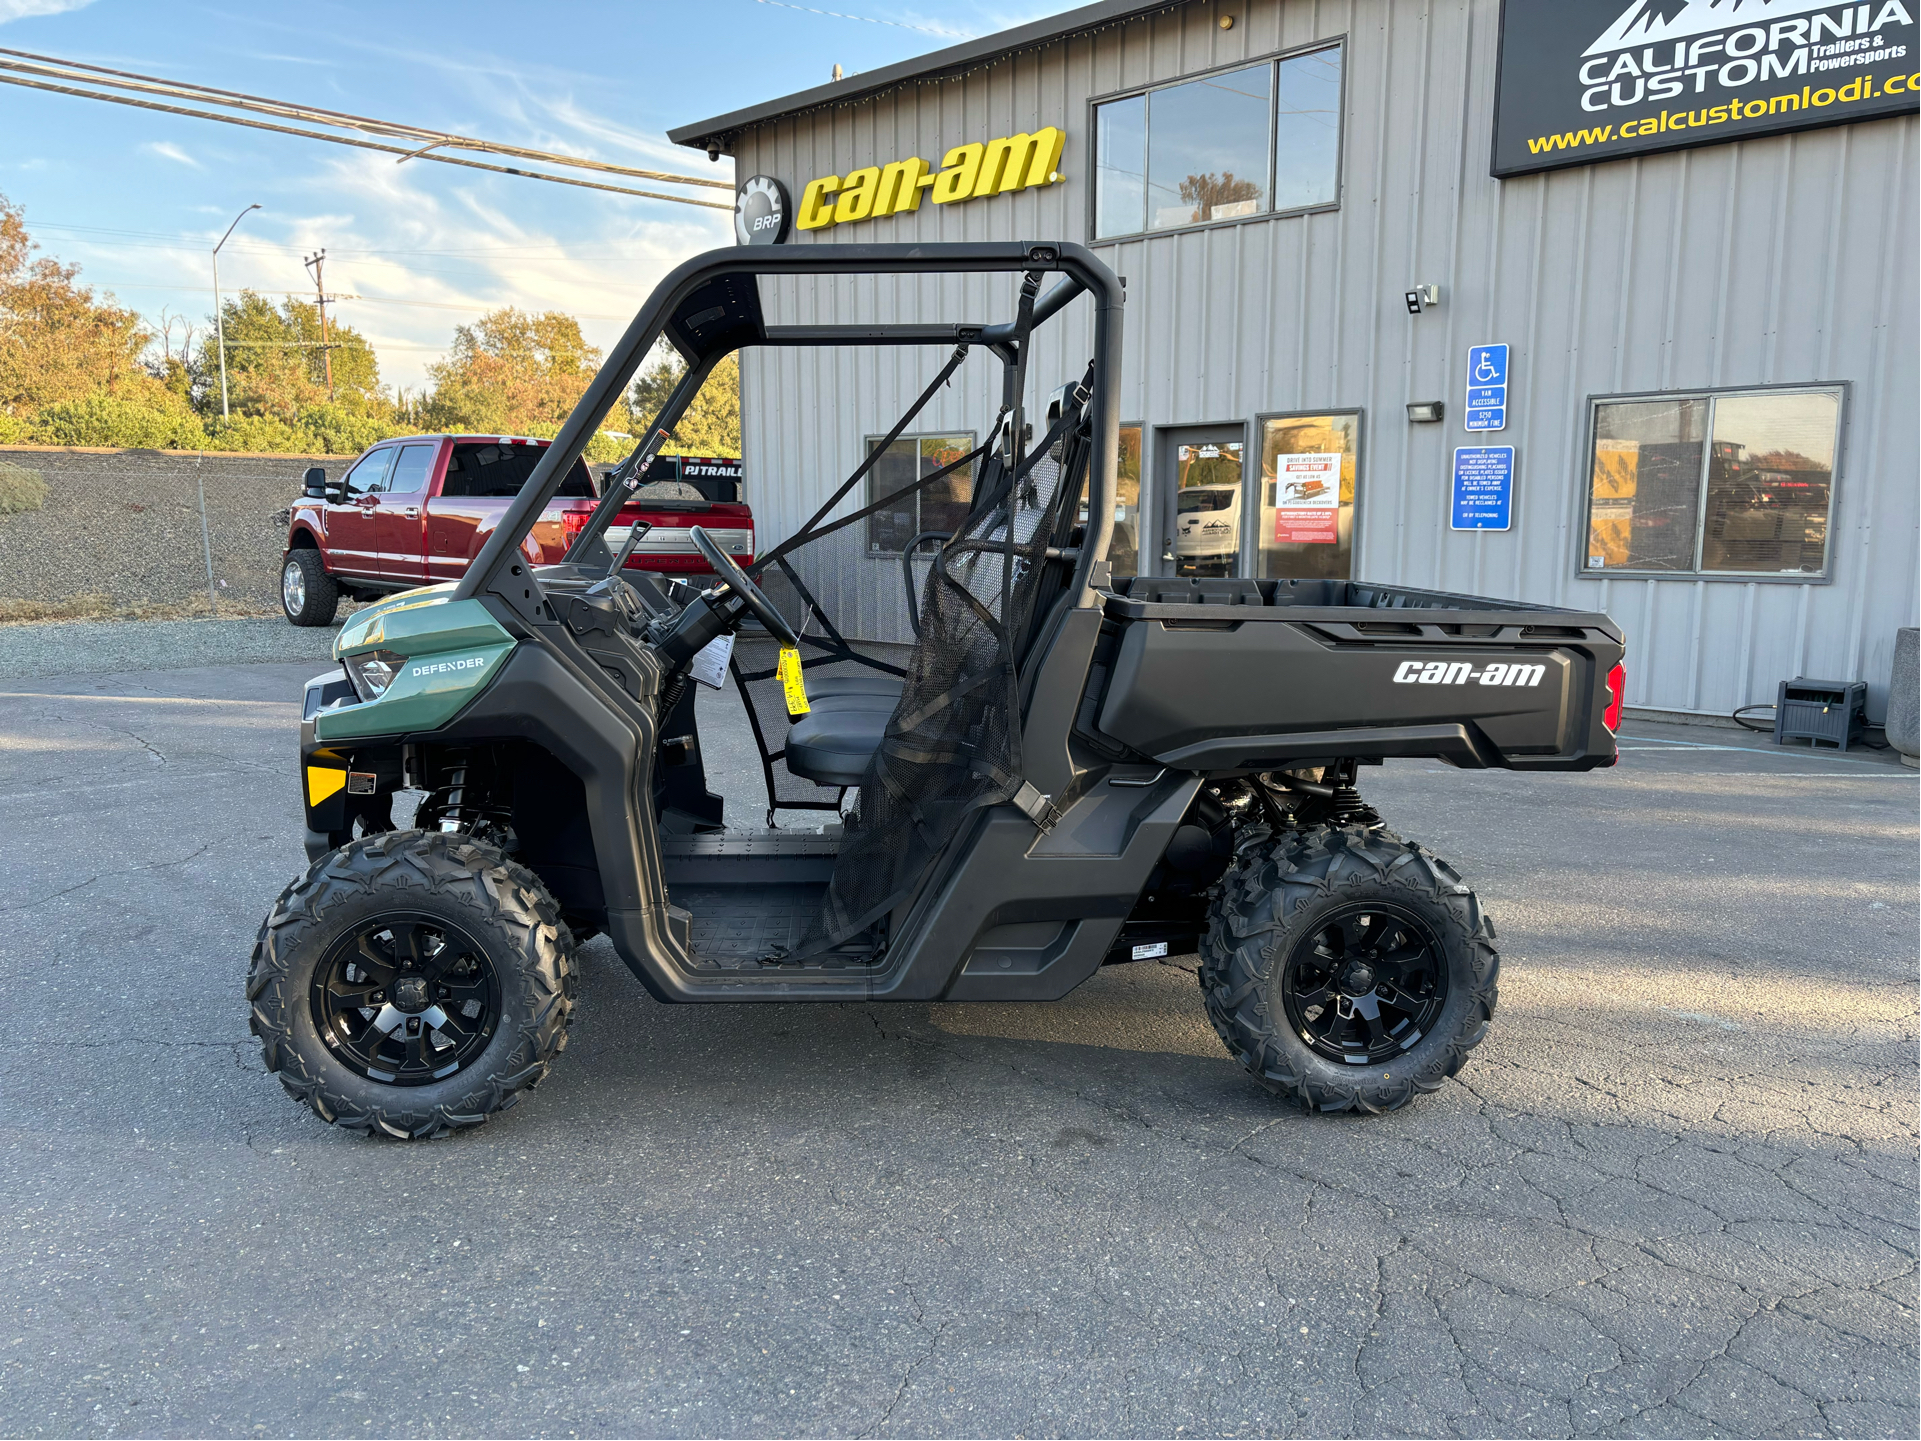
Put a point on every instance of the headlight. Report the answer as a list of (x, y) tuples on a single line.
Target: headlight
[(373, 672)]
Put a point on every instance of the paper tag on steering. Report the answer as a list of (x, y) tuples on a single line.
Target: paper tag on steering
[(709, 665), (792, 686)]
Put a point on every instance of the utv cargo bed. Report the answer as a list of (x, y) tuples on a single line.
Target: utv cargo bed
[(1251, 675)]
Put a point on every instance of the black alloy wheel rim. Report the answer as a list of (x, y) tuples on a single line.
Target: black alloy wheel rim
[(406, 999), (1366, 984)]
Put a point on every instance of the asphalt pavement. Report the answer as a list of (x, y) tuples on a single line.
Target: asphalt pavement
[(1674, 1193), (105, 646)]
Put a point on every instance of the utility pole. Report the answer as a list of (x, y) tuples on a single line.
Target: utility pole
[(317, 264), (219, 329)]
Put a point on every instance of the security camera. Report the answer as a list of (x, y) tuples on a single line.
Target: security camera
[(713, 151)]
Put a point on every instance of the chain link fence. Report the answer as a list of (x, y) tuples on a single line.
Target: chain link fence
[(144, 534)]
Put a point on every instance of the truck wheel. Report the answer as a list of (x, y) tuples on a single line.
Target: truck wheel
[(308, 594), (412, 983), (1348, 969)]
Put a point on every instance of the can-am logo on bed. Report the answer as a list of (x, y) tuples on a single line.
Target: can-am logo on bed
[(1583, 81), (1461, 672)]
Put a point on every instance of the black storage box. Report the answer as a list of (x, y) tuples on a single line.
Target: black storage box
[(1830, 712)]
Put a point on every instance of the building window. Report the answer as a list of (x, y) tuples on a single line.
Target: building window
[(1310, 468), (1124, 551), (941, 506), (1713, 483), (1250, 141)]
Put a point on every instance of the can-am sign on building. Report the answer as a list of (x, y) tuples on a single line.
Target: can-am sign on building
[(967, 172), (1582, 81)]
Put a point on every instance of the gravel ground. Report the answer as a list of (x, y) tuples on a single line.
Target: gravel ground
[(1672, 1194), (94, 646)]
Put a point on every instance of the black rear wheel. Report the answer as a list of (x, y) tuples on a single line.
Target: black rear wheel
[(1348, 969), (1366, 983), (412, 983)]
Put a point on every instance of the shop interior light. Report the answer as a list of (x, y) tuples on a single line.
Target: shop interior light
[(1424, 412)]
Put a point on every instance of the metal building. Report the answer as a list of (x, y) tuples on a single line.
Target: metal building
[(1709, 373)]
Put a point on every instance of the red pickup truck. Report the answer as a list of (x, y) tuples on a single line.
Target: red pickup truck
[(415, 511)]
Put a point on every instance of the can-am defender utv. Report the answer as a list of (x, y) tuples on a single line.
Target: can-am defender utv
[(1071, 770)]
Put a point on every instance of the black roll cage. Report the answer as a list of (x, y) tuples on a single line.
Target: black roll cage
[(709, 306)]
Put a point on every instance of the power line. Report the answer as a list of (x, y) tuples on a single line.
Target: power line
[(524, 258), (426, 141), (357, 340), (867, 19), (268, 247), (411, 269), (333, 296), (56, 68)]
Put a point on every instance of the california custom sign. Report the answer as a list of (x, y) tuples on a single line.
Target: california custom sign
[(1583, 81)]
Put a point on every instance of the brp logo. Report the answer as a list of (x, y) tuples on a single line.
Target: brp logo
[(760, 212)]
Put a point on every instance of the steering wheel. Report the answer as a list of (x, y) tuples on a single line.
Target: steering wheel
[(750, 594)]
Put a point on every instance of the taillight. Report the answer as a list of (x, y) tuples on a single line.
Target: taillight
[(1617, 692), (573, 522)]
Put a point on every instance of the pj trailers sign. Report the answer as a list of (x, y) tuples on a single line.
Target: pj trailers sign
[(1583, 81)]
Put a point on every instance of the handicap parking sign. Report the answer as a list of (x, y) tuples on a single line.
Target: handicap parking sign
[(1483, 487), (1486, 387)]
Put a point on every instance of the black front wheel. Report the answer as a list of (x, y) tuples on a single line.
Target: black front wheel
[(308, 595), (1348, 969), (412, 983)]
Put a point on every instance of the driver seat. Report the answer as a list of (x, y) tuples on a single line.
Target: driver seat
[(832, 744)]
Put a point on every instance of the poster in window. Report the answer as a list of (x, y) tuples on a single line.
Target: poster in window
[(1307, 497)]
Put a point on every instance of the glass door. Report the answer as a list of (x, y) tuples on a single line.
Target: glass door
[(1309, 470), (1203, 476)]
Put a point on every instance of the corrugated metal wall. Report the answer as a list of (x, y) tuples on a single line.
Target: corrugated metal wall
[(1788, 259)]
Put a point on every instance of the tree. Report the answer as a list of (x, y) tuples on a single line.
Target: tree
[(71, 369), (711, 425), (510, 373), (276, 366), (1208, 191), (59, 342)]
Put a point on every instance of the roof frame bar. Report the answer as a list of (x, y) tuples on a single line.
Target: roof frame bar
[(498, 568)]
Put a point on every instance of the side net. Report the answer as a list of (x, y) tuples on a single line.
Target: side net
[(953, 744)]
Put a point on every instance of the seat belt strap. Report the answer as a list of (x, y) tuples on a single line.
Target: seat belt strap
[(807, 532), (1036, 807), (779, 555)]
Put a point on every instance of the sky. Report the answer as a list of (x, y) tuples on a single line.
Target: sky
[(138, 198)]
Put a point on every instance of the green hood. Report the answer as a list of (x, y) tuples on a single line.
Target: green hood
[(452, 649)]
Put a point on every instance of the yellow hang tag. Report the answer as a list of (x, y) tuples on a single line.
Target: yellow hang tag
[(792, 686)]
